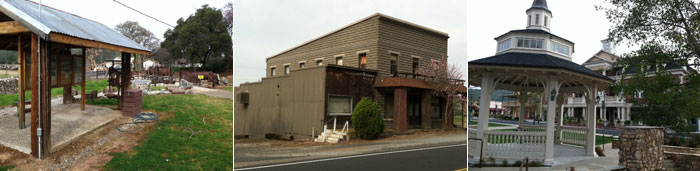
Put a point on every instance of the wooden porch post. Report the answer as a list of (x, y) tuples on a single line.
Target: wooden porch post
[(400, 99), (21, 82), (426, 119), (82, 85), (45, 90), (126, 76)]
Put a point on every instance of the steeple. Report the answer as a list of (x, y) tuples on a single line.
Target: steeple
[(539, 16)]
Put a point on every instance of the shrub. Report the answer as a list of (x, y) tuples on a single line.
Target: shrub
[(367, 119)]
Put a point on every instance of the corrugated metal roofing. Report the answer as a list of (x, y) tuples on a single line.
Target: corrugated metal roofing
[(43, 20)]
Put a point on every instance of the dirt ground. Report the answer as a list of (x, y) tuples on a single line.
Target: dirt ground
[(89, 152)]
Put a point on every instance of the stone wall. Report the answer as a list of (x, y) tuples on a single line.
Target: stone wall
[(8, 86), (684, 158), (641, 147)]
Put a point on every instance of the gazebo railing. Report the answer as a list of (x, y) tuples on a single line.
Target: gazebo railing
[(573, 135), (474, 145), (533, 128), (514, 144)]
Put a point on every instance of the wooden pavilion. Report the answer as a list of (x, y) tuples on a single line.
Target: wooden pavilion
[(51, 45)]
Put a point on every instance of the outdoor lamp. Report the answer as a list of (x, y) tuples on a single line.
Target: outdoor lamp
[(554, 94)]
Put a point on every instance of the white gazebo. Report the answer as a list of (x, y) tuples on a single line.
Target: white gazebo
[(535, 60)]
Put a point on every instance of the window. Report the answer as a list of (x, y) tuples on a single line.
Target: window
[(302, 64), (537, 19), (339, 105), (415, 65), (545, 20), (529, 20), (286, 69), (559, 48), (363, 60), (272, 71), (339, 60), (503, 45), (393, 64), (319, 62), (435, 64), (530, 43)]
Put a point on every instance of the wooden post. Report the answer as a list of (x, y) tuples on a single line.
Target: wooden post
[(20, 82), (125, 77), (35, 94), (82, 84), (45, 98)]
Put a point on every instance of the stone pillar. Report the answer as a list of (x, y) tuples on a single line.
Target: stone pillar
[(425, 110), (641, 147), (590, 121), (400, 104), (552, 86), (487, 87)]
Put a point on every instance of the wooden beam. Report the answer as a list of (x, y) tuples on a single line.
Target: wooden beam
[(12, 27), (45, 113), (54, 37), (82, 84), (35, 95), (21, 82)]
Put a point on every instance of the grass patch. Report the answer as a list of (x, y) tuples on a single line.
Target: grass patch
[(228, 89), (9, 99), (158, 87), (8, 167), (102, 102), (211, 147), (490, 124)]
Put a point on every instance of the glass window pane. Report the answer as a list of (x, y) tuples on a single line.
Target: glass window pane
[(339, 105)]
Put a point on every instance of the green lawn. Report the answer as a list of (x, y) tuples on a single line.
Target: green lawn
[(8, 167), (211, 147), (158, 87), (9, 99), (490, 124)]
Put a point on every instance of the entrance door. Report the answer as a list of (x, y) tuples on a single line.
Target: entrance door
[(413, 112)]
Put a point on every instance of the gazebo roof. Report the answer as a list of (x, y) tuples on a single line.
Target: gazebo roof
[(519, 59)]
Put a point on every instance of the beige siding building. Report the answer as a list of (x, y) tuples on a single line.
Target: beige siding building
[(377, 57)]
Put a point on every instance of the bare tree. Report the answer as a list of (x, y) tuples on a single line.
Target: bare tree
[(446, 81)]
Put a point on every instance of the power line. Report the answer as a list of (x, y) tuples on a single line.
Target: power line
[(143, 13)]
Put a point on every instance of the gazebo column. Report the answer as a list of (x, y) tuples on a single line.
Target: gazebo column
[(560, 117), (590, 121), (487, 87), (522, 99), (551, 90)]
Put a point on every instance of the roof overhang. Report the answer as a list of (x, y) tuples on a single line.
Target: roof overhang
[(30, 23), (60, 38), (519, 78)]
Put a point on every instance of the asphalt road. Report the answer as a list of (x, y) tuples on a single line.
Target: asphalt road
[(433, 158)]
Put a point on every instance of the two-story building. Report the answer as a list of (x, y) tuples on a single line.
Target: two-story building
[(377, 57), (611, 109)]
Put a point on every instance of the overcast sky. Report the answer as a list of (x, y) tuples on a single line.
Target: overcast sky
[(263, 28), (111, 13), (577, 21)]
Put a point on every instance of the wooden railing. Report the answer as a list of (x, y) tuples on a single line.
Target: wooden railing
[(515, 144), (573, 135), (533, 128)]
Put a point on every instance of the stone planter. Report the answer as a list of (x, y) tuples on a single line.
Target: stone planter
[(641, 147)]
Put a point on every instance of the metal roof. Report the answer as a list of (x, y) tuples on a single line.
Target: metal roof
[(540, 4), (43, 20), (536, 60)]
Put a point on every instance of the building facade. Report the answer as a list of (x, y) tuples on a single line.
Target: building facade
[(378, 57), (612, 110)]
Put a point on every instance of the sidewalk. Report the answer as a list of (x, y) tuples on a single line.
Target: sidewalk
[(609, 162), (249, 153)]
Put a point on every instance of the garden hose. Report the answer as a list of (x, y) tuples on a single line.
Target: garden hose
[(146, 117)]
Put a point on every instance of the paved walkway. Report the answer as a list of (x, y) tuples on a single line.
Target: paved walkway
[(609, 162), (213, 92), (67, 123)]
